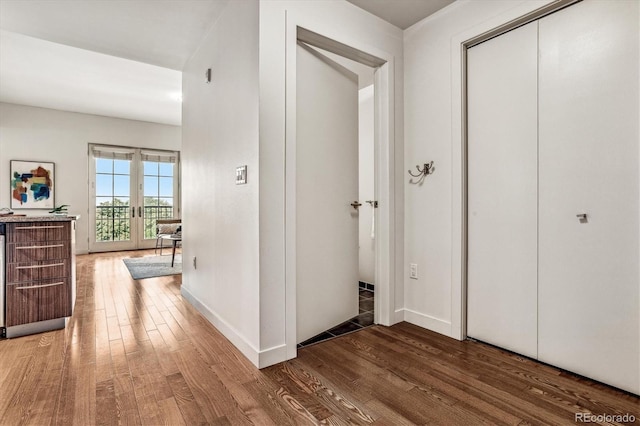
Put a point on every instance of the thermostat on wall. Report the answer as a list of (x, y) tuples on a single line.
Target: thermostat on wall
[(241, 175)]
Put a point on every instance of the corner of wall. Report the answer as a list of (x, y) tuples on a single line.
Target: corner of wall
[(225, 328), (220, 132), (272, 356)]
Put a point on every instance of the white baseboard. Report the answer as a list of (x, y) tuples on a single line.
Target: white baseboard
[(272, 356), (260, 359), (227, 330), (277, 354), (428, 322), (398, 316)]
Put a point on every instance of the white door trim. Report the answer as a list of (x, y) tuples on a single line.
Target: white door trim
[(384, 174)]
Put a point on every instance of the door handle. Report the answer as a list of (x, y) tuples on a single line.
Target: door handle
[(582, 217), (355, 205), (139, 211), (133, 212)]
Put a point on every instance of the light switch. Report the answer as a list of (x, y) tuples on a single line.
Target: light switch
[(413, 271), (241, 175)]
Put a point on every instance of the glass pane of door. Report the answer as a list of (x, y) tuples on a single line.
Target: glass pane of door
[(112, 222), (158, 194)]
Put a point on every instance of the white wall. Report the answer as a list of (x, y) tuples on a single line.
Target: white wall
[(240, 281), (348, 24), (367, 253), (433, 215), (220, 218), (30, 133)]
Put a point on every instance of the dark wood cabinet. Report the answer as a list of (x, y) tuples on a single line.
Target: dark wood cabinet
[(22, 305), (39, 262), (37, 270), (29, 232)]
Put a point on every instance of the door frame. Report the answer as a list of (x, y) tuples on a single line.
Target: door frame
[(308, 32), (514, 18)]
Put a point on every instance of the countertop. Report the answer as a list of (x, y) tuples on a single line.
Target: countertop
[(51, 218)]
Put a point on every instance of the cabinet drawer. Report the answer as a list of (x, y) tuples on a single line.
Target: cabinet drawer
[(55, 300), (39, 270), (36, 251), (38, 231), (38, 301)]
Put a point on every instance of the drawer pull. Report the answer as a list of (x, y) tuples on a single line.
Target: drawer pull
[(40, 266), (39, 286), (37, 247), (40, 227)]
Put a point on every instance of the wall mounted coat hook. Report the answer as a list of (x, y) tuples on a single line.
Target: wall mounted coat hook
[(427, 169)]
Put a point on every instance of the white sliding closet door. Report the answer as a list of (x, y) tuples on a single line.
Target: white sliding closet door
[(588, 270), (502, 190)]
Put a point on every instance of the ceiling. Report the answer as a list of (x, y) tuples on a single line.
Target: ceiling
[(40, 73), (402, 13), (159, 32), (121, 58)]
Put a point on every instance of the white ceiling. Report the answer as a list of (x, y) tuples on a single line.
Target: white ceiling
[(41, 73), (402, 13), (121, 58), (158, 32), (118, 58)]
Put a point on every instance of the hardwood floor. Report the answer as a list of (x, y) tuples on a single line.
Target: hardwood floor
[(136, 353)]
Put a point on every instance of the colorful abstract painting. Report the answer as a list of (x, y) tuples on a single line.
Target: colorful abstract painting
[(32, 185)]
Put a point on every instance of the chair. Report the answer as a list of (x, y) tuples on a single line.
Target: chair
[(166, 227)]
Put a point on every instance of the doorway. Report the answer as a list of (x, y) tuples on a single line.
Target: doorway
[(296, 204), (130, 189), (335, 101), (330, 207)]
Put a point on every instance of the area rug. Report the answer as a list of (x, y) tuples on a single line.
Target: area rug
[(153, 266)]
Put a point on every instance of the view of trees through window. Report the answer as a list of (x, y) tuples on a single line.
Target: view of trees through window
[(158, 194), (114, 212), (113, 218), (113, 195)]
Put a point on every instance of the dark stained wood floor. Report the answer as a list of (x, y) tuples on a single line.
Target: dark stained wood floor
[(136, 353)]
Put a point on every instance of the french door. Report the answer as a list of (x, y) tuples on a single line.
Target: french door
[(130, 189)]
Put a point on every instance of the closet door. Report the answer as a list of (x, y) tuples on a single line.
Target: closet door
[(502, 190), (588, 269)]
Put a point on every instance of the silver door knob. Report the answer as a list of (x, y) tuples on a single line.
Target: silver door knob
[(355, 205)]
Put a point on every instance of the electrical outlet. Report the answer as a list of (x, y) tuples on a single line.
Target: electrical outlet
[(195, 264), (413, 271)]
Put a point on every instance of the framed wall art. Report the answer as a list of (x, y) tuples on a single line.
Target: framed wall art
[(32, 184)]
